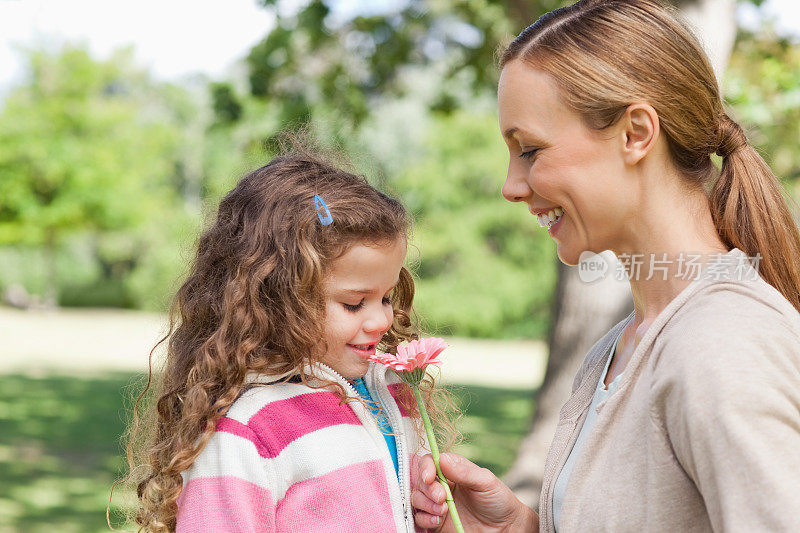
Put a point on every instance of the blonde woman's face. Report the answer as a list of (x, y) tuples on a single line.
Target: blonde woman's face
[(559, 165), (357, 305)]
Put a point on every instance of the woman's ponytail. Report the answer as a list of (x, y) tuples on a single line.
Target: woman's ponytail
[(750, 212)]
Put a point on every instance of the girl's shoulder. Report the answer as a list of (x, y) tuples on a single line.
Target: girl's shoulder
[(258, 395), (275, 414), (264, 405)]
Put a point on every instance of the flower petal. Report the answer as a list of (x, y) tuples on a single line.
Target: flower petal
[(413, 355)]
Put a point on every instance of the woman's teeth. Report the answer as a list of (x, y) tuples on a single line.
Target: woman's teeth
[(547, 220)]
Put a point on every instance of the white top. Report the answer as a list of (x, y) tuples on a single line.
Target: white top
[(601, 393)]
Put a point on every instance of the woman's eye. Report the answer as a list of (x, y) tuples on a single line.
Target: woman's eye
[(387, 300), (529, 154), (354, 308)]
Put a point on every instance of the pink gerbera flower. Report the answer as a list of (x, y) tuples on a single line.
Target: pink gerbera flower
[(414, 355), (410, 363)]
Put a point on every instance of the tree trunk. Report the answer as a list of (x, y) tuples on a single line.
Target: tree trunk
[(51, 270), (583, 312), (714, 23)]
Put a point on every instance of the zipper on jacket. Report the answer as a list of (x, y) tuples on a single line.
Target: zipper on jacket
[(402, 456), (348, 386), (381, 401)]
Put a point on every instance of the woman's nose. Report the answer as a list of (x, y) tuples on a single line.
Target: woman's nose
[(515, 188)]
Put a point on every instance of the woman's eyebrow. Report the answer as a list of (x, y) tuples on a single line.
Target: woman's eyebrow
[(510, 132)]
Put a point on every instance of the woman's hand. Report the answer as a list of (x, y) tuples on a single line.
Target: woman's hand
[(484, 503)]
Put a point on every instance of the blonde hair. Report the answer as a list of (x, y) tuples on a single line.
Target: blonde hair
[(253, 302), (608, 54)]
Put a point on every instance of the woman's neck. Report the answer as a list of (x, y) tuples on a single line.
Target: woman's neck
[(666, 251)]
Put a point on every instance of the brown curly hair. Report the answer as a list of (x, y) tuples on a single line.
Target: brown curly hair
[(253, 302)]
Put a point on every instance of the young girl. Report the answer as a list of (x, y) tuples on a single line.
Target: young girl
[(270, 417)]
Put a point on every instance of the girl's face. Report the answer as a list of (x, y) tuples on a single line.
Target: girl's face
[(559, 164), (357, 305)]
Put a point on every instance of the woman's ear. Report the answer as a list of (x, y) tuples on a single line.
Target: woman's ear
[(640, 130)]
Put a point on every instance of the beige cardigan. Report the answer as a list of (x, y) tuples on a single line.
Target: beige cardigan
[(703, 433)]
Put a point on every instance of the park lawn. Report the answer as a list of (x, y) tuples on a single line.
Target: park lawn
[(60, 446)]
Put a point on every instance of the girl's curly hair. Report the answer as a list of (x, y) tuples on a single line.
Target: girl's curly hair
[(253, 302)]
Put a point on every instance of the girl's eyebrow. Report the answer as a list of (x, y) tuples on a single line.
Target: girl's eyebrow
[(366, 291), (357, 291)]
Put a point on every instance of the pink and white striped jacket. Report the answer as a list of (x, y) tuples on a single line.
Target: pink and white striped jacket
[(290, 458)]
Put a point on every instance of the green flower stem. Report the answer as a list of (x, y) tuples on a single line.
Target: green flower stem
[(451, 505)]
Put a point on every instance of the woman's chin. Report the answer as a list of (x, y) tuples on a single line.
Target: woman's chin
[(567, 256)]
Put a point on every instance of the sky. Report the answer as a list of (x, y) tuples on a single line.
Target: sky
[(175, 38)]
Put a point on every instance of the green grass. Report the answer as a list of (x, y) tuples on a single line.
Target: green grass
[(60, 451), (494, 423)]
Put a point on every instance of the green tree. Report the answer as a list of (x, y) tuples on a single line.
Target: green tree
[(83, 147), (763, 87), (317, 55)]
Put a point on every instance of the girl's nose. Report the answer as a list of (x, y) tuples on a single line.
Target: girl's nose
[(379, 320)]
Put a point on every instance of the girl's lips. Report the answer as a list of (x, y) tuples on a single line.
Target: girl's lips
[(364, 350)]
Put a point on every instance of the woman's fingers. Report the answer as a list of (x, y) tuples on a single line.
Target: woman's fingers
[(427, 521), (422, 503), (464, 473), (427, 482), (427, 469), (480, 496), (428, 496)]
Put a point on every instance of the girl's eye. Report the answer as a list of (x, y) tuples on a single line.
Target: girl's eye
[(529, 154), (354, 308)]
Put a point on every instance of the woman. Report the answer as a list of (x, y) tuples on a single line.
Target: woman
[(686, 415)]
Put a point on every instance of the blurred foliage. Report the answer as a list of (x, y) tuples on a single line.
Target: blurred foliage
[(763, 87), (226, 105), (315, 55), (84, 147), (106, 177), (495, 422)]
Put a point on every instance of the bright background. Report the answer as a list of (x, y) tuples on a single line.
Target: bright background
[(122, 124), (182, 37)]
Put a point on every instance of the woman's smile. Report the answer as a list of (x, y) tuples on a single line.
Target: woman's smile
[(554, 225), (549, 218)]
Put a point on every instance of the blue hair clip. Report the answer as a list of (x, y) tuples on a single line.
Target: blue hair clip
[(323, 213)]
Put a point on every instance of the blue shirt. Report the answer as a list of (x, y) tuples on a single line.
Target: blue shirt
[(380, 416)]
